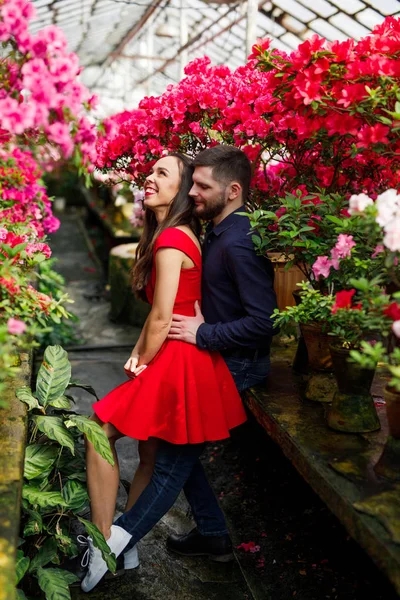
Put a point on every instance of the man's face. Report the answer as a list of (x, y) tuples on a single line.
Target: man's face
[(210, 196)]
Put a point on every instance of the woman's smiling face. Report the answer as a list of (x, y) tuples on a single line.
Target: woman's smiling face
[(162, 184)]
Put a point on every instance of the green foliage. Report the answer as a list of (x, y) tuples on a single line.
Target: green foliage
[(313, 307), (54, 490), (372, 354), (364, 319), (52, 283), (55, 583), (54, 375)]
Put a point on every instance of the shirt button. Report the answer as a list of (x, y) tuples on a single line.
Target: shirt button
[(208, 241)]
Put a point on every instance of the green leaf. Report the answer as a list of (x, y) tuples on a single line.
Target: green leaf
[(22, 565), (61, 402), (82, 386), (25, 395), (55, 583), (101, 544), (39, 460), (54, 428), (334, 219), (75, 495), (35, 523), (54, 375), (35, 496), (21, 595), (94, 434), (45, 555)]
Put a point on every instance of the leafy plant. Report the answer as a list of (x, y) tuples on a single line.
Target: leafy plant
[(359, 314), (54, 492), (52, 283), (313, 307)]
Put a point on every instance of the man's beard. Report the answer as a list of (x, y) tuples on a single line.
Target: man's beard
[(210, 211)]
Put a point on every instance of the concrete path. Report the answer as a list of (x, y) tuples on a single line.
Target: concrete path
[(301, 550)]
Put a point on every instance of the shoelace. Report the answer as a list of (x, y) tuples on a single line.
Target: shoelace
[(84, 542)]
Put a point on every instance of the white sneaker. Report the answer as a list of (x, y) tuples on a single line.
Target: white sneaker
[(131, 558), (97, 567)]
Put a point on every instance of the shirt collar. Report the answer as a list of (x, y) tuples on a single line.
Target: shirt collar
[(226, 223)]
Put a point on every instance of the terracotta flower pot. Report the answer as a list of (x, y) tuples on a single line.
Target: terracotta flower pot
[(285, 280), (388, 466), (353, 409), (321, 384), (317, 342)]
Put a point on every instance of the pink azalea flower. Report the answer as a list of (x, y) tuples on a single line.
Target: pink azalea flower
[(378, 250), (15, 326), (344, 245), (322, 267)]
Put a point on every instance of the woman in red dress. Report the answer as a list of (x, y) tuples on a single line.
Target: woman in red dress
[(175, 392)]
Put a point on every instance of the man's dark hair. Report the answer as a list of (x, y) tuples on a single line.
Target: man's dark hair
[(228, 164)]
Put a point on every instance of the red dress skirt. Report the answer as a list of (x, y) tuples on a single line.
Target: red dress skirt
[(186, 395)]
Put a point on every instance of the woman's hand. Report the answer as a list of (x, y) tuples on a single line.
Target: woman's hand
[(131, 367)]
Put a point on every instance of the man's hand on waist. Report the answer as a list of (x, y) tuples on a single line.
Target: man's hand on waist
[(184, 328)]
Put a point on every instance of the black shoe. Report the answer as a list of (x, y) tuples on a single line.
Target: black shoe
[(216, 547)]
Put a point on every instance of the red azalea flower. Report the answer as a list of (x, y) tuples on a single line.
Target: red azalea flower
[(280, 212), (343, 300), (392, 311)]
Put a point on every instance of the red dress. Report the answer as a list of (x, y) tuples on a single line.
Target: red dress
[(186, 395)]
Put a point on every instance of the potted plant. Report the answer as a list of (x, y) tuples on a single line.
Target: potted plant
[(388, 357), (358, 315), (312, 314)]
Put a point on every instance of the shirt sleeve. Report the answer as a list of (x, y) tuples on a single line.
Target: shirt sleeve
[(254, 282)]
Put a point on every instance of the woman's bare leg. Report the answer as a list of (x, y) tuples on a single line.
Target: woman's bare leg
[(102, 480), (147, 455)]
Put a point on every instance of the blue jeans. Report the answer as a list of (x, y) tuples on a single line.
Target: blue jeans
[(178, 467), (247, 372)]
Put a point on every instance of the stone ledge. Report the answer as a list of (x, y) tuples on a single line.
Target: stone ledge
[(13, 426), (338, 466)]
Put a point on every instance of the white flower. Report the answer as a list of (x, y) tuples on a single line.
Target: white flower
[(358, 203), (388, 204), (392, 234), (396, 328)]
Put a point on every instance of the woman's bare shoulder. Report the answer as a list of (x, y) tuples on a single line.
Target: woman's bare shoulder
[(186, 229)]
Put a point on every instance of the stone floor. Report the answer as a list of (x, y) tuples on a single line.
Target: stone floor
[(302, 551)]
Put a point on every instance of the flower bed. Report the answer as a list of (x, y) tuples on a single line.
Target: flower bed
[(42, 120)]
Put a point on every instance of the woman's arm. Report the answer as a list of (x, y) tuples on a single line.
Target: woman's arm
[(155, 330)]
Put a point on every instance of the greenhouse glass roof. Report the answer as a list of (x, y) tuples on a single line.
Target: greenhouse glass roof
[(135, 48)]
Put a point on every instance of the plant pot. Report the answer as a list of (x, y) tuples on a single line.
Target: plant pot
[(317, 343), (392, 399), (300, 362), (285, 279), (388, 466), (353, 409), (321, 385)]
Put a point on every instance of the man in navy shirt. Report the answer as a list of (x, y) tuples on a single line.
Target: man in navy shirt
[(238, 296)]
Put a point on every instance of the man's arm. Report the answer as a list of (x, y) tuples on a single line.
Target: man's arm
[(255, 287), (256, 291)]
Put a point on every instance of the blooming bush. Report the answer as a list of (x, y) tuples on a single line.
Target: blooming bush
[(322, 119), (41, 118)]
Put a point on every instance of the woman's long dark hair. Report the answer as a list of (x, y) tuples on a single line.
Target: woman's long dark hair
[(181, 212)]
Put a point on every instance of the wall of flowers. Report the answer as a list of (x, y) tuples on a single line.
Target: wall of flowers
[(42, 120)]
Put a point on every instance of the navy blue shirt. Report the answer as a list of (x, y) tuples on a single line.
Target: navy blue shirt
[(238, 295)]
